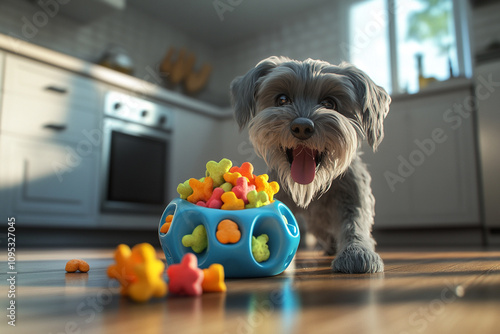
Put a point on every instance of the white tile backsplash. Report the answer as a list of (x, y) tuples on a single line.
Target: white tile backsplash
[(146, 39), (315, 34)]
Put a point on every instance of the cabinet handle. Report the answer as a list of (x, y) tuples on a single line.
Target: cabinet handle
[(55, 127), (56, 89)]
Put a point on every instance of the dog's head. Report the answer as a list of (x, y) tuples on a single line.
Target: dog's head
[(307, 119)]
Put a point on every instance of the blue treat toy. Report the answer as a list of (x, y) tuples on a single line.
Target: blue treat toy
[(275, 220)]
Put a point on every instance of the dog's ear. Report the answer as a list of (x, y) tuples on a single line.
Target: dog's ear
[(374, 102), (243, 90)]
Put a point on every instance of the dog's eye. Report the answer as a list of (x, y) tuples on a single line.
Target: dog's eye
[(328, 103), (283, 100)]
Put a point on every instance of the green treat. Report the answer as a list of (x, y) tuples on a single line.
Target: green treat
[(227, 186), (216, 170), (257, 199), (260, 249), (198, 240), (184, 189)]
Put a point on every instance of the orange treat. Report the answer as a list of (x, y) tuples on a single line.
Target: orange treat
[(202, 191), (213, 280), (166, 226), (228, 232), (245, 170), (123, 269), (75, 264)]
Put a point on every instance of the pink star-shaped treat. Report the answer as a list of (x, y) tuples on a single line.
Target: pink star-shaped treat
[(185, 278), (242, 189)]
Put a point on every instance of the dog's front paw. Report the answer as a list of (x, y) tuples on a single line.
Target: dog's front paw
[(356, 259)]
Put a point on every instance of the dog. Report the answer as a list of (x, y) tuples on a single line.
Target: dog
[(307, 120)]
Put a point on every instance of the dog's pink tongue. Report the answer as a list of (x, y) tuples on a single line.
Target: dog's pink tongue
[(303, 165)]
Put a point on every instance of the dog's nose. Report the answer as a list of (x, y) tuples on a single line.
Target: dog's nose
[(302, 128)]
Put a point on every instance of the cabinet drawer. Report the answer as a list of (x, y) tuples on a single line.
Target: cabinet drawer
[(44, 82), (33, 118)]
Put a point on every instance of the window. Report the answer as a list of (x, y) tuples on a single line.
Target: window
[(405, 45)]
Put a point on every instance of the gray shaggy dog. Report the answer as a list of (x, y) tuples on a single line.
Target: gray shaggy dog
[(307, 120)]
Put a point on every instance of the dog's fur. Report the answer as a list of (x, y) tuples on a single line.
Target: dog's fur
[(339, 201)]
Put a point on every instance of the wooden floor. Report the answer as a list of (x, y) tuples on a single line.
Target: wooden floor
[(420, 292)]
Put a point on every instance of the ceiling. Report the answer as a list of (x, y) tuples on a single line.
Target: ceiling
[(218, 23)]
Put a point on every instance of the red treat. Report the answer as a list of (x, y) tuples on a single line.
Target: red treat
[(185, 278), (215, 201), (242, 189)]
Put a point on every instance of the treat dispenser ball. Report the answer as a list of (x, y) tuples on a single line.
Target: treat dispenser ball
[(275, 220)]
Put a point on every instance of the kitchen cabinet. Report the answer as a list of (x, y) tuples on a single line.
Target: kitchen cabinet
[(487, 78), (48, 182), (424, 173), (49, 171)]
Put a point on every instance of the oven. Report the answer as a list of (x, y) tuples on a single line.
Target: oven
[(136, 154)]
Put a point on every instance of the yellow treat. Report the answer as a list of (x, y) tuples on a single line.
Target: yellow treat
[(269, 188), (149, 271), (231, 202), (139, 272), (232, 177)]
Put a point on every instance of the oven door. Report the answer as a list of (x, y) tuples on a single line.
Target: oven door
[(135, 168)]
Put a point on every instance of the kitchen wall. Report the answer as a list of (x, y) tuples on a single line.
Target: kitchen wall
[(317, 33), (146, 39)]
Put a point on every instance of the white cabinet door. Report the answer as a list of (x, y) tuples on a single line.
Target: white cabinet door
[(487, 80), (48, 183), (425, 174)]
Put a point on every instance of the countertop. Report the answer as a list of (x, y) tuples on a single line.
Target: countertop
[(132, 84)]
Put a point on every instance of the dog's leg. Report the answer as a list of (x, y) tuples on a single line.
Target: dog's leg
[(355, 245)]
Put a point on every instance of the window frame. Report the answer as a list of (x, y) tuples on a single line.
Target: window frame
[(461, 21)]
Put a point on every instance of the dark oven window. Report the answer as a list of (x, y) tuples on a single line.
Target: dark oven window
[(137, 169)]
